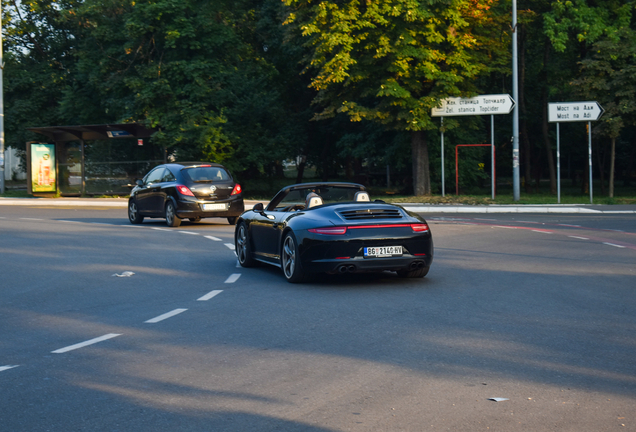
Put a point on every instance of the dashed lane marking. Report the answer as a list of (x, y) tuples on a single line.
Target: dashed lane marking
[(86, 343), (230, 246), (580, 238), (542, 231), (4, 368), (189, 232), (615, 245), (160, 229), (165, 316), (233, 278), (503, 226), (213, 238), (209, 295), (32, 219)]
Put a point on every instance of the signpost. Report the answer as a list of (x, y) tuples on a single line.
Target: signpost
[(561, 112), (478, 105)]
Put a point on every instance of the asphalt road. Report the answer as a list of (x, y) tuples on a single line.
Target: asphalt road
[(538, 310)]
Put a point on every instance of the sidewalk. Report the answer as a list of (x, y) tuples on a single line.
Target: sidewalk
[(414, 207)]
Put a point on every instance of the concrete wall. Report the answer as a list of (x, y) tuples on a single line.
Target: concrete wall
[(12, 165)]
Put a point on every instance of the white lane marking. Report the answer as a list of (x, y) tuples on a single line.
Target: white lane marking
[(230, 246), (33, 219), (165, 316), (189, 232), (4, 368), (68, 221), (160, 229), (485, 219), (542, 232), (580, 238), (615, 245), (86, 343), (209, 295), (530, 222), (501, 226), (233, 278), (576, 226), (213, 238)]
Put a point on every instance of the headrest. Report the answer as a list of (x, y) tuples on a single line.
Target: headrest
[(361, 196), (313, 200)]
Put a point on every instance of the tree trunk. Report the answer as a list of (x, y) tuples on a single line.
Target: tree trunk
[(301, 169), (611, 173), (421, 172), (544, 122), (600, 160)]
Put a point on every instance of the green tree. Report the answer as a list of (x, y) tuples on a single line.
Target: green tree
[(607, 76), (392, 61)]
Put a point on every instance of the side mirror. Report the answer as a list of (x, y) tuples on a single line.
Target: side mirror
[(258, 207), (139, 182)]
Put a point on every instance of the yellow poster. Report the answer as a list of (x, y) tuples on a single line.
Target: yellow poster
[(43, 178)]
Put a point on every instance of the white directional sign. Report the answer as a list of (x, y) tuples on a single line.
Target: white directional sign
[(574, 111), (478, 105)]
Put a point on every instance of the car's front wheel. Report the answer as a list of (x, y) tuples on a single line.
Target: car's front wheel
[(290, 259), (243, 248), (133, 213), (172, 220)]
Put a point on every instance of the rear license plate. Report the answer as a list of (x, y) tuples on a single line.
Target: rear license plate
[(208, 207), (383, 251)]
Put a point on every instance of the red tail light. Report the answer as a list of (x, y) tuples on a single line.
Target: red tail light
[(184, 190), (329, 230), (237, 189), (419, 227)]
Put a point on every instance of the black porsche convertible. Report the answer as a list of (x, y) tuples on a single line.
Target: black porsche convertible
[(333, 228)]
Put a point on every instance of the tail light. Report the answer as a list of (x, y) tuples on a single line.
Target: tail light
[(237, 189), (184, 190), (419, 227), (329, 230)]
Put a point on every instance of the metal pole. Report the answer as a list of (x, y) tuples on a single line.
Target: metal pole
[(492, 154), (589, 147), (443, 186), (1, 112), (558, 166), (515, 111)]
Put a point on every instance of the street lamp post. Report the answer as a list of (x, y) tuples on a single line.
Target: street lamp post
[(515, 112), (1, 113)]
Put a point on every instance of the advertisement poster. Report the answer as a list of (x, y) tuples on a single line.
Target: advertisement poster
[(43, 168)]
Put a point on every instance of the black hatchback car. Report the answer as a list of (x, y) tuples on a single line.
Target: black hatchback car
[(186, 190)]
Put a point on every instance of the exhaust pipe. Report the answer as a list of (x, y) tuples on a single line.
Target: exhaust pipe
[(413, 266), (351, 268), (420, 265), (342, 269)]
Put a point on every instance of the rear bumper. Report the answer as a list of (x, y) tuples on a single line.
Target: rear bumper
[(362, 265), (192, 208)]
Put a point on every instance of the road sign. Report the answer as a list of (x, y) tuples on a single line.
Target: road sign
[(478, 105), (560, 112)]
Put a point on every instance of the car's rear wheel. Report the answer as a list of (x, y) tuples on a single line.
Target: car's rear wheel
[(232, 220), (133, 213), (243, 248), (419, 273), (172, 220), (290, 260)]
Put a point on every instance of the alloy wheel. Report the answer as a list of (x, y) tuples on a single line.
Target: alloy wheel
[(289, 257)]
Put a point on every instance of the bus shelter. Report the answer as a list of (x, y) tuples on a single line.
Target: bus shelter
[(90, 159)]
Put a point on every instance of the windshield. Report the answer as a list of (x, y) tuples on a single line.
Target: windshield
[(329, 195), (206, 174)]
